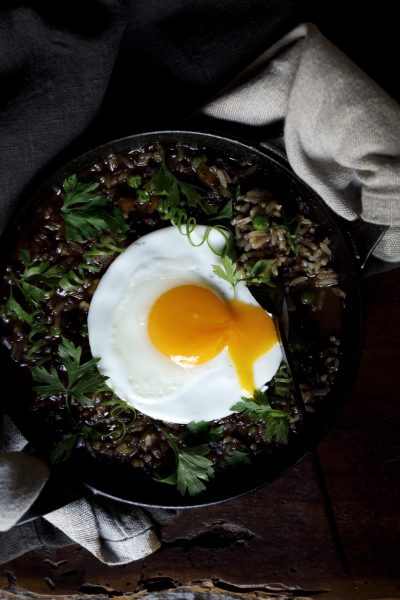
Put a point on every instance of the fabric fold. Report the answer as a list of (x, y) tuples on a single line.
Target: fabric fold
[(113, 532), (341, 133)]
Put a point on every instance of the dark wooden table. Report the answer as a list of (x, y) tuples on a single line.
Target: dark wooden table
[(280, 533)]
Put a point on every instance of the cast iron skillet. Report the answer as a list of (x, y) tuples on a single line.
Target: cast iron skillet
[(83, 474)]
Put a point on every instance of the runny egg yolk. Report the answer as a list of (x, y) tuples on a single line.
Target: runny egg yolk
[(191, 325)]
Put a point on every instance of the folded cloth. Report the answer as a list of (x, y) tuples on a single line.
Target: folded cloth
[(114, 532), (55, 65), (341, 130)]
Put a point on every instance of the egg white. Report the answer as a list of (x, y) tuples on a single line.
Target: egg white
[(136, 370)]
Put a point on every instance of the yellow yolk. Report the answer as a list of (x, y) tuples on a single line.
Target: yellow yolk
[(191, 325)]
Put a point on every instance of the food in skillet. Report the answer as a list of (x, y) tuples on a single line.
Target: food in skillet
[(161, 247)]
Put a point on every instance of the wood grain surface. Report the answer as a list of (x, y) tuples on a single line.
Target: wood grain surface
[(278, 535)]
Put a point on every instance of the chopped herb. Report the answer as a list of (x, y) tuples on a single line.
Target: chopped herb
[(116, 407), (134, 181), (81, 379), (13, 308), (216, 433), (259, 408), (192, 469), (260, 222), (260, 272), (39, 328), (63, 450), (197, 427), (77, 278), (307, 297), (225, 214), (86, 213), (37, 281), (198, 160), (143, 196), (238, 195), (203, 430), (278, 429), (291, 227), (236, 457), (227, 270), (164, 183)]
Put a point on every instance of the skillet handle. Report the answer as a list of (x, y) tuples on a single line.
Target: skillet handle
[(364, 237)]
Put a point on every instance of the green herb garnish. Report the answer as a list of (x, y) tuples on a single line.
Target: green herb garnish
[(76, 278), (259, 408), (228, 271), (12, 308), (192, 468), (175, 193), (225, 214), (202, 429), (260, 222), (78, 380), (198, 160), (260, 272), (134, 181), (86, 213), (63, 449), (236, 457), (37, 282)]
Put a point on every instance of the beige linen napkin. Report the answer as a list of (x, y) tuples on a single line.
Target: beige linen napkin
[(115, 533), (341, 130)]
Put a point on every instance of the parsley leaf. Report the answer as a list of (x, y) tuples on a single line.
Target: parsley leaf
[(260, 222), (192, 469), (13, 308), (36, 282), (175, 192), (260, 272), (236, 457), (225, 214), (86, 213), (202, 429), (81, 378), (227, 270), (259, 408), (134, 181), (197, 427), (64, 448)]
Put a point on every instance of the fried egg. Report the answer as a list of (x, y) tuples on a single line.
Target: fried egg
[(173, 338)]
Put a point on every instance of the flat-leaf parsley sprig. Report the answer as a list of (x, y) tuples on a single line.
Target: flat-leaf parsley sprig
[(175, 193), (192, 468), (228, 271), (75, 380), (87, 213), (35, 282), (258, 408)]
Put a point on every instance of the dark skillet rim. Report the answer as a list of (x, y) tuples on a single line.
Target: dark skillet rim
[(278, 161)]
